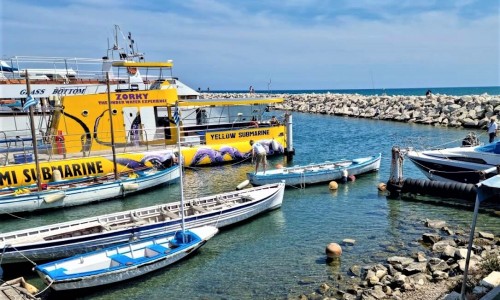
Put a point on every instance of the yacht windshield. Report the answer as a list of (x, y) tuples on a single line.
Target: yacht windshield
[(490, 148)]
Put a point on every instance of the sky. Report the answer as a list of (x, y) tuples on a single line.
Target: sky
[(275, 44)]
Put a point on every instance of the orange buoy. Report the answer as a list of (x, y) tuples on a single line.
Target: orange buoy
[(333, 251), (333, 185)]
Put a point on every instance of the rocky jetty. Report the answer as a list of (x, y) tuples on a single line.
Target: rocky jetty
[(470, 111)]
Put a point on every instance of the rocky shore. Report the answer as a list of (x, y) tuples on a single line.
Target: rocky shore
[(470, 111), (436, 275), (435, 269)]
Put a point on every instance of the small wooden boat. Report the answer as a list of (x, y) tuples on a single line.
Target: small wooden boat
[(125, 261), (17, 288), (316, 173), (83, 235), (83, 192)]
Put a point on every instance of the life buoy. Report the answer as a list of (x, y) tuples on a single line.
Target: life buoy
[(132, 70)]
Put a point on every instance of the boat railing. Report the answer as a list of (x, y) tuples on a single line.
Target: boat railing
[(17, 146)]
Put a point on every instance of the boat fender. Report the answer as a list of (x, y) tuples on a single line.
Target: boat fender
[(351, 178), (56, 175), (130, 186), (243, 184), (30, 288), (54, 197), (345, 175), (21, 191)]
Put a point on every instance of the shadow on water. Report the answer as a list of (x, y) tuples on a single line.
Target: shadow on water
[(490, 207)]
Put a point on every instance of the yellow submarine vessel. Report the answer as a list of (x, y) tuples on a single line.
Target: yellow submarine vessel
[(78, 137)]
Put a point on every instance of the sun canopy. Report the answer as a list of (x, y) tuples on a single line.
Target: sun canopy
[(135, 64), (489, 188)]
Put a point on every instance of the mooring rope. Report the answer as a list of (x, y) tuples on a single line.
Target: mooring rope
[(22, 254)]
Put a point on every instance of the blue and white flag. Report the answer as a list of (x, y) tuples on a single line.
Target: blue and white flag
[(30, 101), (177, 118)]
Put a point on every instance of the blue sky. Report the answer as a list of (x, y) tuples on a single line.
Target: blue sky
[(297, 44)]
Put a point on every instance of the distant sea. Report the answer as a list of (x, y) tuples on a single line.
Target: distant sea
[(452, 91)]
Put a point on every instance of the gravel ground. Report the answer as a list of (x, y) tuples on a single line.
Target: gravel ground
[(429, 291)]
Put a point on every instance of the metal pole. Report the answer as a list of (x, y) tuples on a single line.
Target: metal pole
[(33, 135), (469, 247), (115, 168), (180, 166)]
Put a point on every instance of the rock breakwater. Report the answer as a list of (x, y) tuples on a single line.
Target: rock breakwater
[(470, 111)]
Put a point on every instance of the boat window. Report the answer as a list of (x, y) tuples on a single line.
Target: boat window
[(157, 84), (490, 148)]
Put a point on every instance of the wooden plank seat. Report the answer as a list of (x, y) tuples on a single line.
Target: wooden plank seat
[(159, 248)]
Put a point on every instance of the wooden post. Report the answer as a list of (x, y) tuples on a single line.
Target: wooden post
[(115, 169)]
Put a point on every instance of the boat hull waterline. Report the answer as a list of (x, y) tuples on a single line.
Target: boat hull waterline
[(79, 236)]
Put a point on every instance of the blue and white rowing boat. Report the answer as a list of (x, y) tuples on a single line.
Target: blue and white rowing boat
[(123, 262), (84, 192), (74, 237), (316, 173)]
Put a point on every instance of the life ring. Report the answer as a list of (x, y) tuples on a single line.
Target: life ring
[(254, 124), (132, 70)]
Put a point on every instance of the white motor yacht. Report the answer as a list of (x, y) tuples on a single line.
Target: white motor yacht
[(461, 164)]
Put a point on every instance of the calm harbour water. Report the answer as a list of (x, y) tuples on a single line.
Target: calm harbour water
[(281, 253)]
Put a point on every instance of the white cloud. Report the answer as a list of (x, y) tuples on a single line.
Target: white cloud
[(228, 45)]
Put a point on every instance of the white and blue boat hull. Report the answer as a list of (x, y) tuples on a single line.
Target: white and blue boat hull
[(84, 193), (74, 237), (316, 173)]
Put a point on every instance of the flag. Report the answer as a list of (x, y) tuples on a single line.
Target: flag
[(30, 101), (177, 118)]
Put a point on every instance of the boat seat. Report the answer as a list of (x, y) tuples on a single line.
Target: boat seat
[(169, 214), (160, 249), (122, 259), (247, 197), (199, 208), (57, 273)]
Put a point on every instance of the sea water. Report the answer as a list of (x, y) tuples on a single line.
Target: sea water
[(452, 91), (282, 253)]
